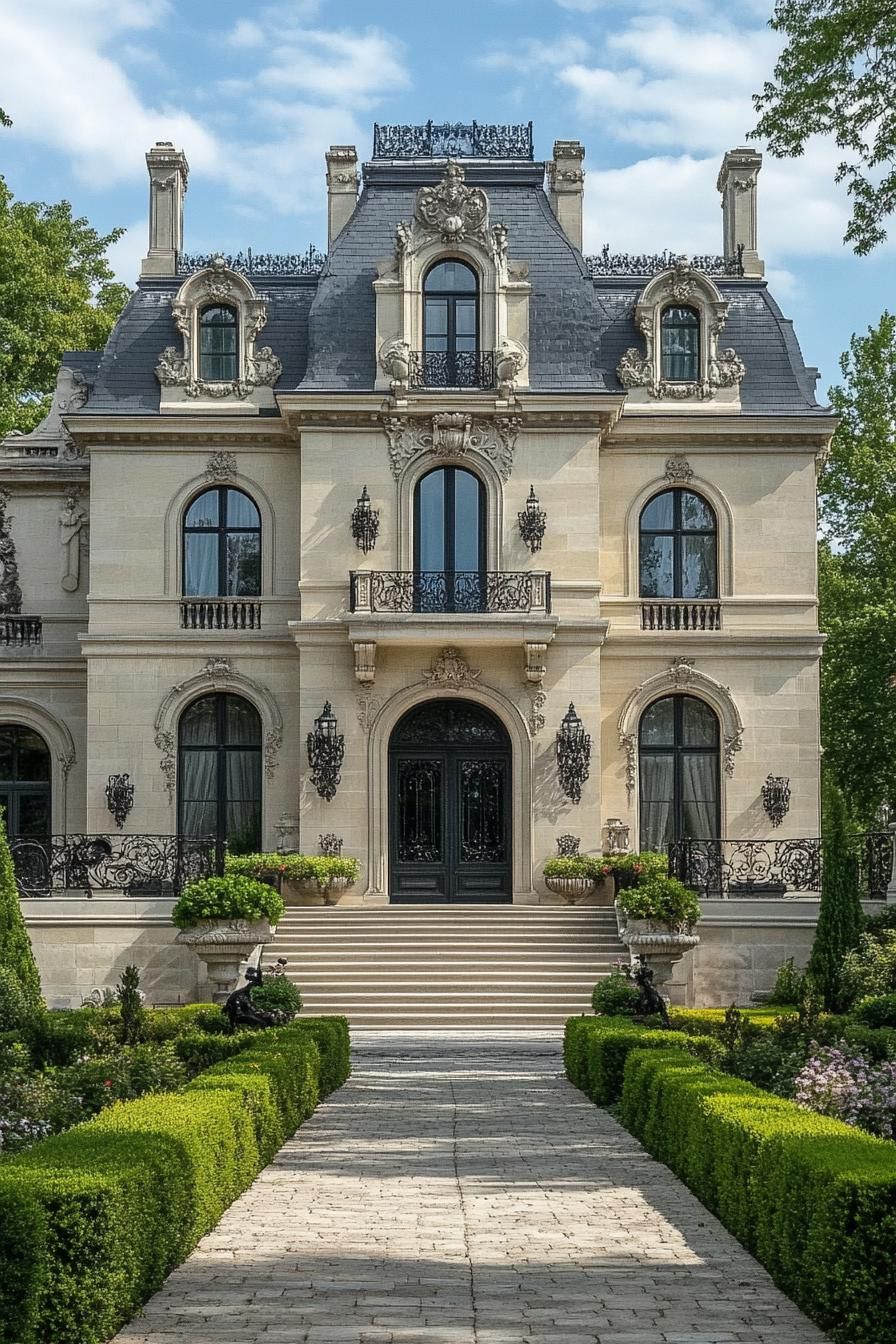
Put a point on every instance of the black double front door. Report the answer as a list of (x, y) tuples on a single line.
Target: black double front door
[(449, 796)]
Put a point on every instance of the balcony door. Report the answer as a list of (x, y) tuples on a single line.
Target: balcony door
[(451, 326), (449, 542), (219, 772), (449, 805)]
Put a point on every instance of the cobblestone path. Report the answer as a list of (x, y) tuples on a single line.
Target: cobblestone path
[(459, 1191)]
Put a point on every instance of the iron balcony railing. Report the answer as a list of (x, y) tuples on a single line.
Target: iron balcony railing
[(442, 592), (453, 139), (454, 369), (681, 615), (21, 632), (220, 614), (726, 869), (135, 865)]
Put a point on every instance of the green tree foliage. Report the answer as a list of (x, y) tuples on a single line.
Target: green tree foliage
[(15, 945), (57, 293), (857, 576), (840, 917), (835, 77)]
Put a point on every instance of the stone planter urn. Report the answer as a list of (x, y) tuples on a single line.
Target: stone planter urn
[(223, 944), (660, 947), (572, 890), (309, 892)]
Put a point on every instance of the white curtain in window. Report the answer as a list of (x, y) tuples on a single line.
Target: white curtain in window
[(699, 779), (657, 799)]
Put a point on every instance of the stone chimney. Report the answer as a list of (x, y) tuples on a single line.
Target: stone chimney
[(565, 187), (737, 183), (168, 171), (342, 187)]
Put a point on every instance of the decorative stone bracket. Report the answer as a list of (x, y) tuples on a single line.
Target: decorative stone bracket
[(451, 435)]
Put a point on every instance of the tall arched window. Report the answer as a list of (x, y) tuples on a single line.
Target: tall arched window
[(222, 545), (678, 547), (25, 781), (449, 541), (218, 344), (451, 325), (680, 345), (679, 772), (219, 772)]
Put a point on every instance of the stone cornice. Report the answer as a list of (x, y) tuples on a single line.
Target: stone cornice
[(730, 644), (710, 433), (174, 431), (536, 410)]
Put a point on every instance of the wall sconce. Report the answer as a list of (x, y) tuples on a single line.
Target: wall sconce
[(365, 523), (776, 798), (119, 798), (568, 846), (532, 522), (330, 845), (326, 748), (573, 755)]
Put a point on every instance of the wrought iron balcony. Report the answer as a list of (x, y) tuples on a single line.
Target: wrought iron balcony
[(138, 865), (453, 139), (745, 869), (438, 592), (680, 615), (21, 632), (220, 614), (461, 368)]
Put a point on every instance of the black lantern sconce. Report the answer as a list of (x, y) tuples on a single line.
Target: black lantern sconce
[(573, 755), (533, 521), (326, 748), (776, 798), (365, 523), (119, 798)]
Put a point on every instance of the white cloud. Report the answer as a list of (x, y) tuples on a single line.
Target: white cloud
[(346, 68), (246, 33), (126, 255), (533, 54)]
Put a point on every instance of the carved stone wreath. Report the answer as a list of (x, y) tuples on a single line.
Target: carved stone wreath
[(452, 209), (452, 434)]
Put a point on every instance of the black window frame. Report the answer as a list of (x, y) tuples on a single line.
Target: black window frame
[(16, 789), (221, 747), (678, 750), (678, 532), (204, 325), (668, 326), (449, 520), (452, 296), (223, 530)]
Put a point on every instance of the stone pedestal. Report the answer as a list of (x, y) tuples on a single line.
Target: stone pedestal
[(660, 949), (223, 945)]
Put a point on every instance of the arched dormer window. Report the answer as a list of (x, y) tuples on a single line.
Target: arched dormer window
[(218, 342), (678, 547), (451, 325), (222, 545), (680, 344)]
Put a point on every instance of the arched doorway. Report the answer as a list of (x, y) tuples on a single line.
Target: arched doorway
[(679, 772), (25, 789), (449, 805), (219, 772)]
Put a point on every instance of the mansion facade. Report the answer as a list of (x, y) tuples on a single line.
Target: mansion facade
[(448, 544)]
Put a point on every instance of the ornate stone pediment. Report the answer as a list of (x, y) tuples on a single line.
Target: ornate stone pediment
[(452, 209), (451, 669), (452, 434)]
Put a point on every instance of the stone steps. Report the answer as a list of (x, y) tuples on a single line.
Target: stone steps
[(405, 967)]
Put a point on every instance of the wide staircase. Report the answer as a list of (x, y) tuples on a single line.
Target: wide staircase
[(447, 966)]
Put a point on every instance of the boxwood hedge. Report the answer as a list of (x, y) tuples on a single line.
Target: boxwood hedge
[(92, 1220), (595, 1050)]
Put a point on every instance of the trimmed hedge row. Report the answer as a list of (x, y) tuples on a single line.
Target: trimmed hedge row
[(595, 1050), (812, 1198), (92, 1220)]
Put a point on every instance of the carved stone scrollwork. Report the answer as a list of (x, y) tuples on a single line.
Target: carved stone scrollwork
[(365, 661), (395, 359), (452, 434), (368, 708), (678, 471), (221, 467), (534, 715), (10, 592), (452, 209), (450, 671), (509, 362)]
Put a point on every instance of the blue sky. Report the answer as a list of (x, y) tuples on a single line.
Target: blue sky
[(656, 89)]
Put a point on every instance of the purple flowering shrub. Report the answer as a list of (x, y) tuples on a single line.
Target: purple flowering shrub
[(848, 1087)]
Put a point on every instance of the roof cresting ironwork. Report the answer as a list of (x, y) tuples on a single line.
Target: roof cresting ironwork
[(453, 139)]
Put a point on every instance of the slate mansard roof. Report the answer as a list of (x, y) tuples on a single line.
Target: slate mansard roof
[(322, 327)]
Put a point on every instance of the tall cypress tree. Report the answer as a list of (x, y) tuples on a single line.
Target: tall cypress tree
[(15, 945), (840, 917)]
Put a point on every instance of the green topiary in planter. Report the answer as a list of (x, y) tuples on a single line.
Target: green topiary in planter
[(226, 898), (663, 901), (632, 869), (319, 869), (578, 865)]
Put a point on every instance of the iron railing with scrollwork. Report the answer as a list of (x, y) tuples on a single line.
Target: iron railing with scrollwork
[(452, 368), (309, 262), (453, 139), (21, 632), (135, 865), (742, 869), (644, 265), (440, 592)]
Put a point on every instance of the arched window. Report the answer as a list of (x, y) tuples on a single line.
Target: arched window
[(25, 781), (451, 326), (449, 541), (680, 345), (222, 545), (678, 547), (679, 772), (218, 344), (219, 772)]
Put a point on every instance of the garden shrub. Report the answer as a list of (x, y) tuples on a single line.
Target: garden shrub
[(276, 994), (631, 869), (616, 995), (15, 945), (711, 1021), (213, 898), (130, 1006), (812, 1198), (15, 1004), (840, 917), (869, 970), (789, 983), (595, 1051), (108, 1208), (876, 1010), (319, 869), (663, 901)]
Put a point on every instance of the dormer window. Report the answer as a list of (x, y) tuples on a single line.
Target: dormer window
[(218, 344), (450, 325), (680, 345)]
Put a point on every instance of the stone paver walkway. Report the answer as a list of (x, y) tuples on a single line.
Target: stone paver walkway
[(459, 1191)]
